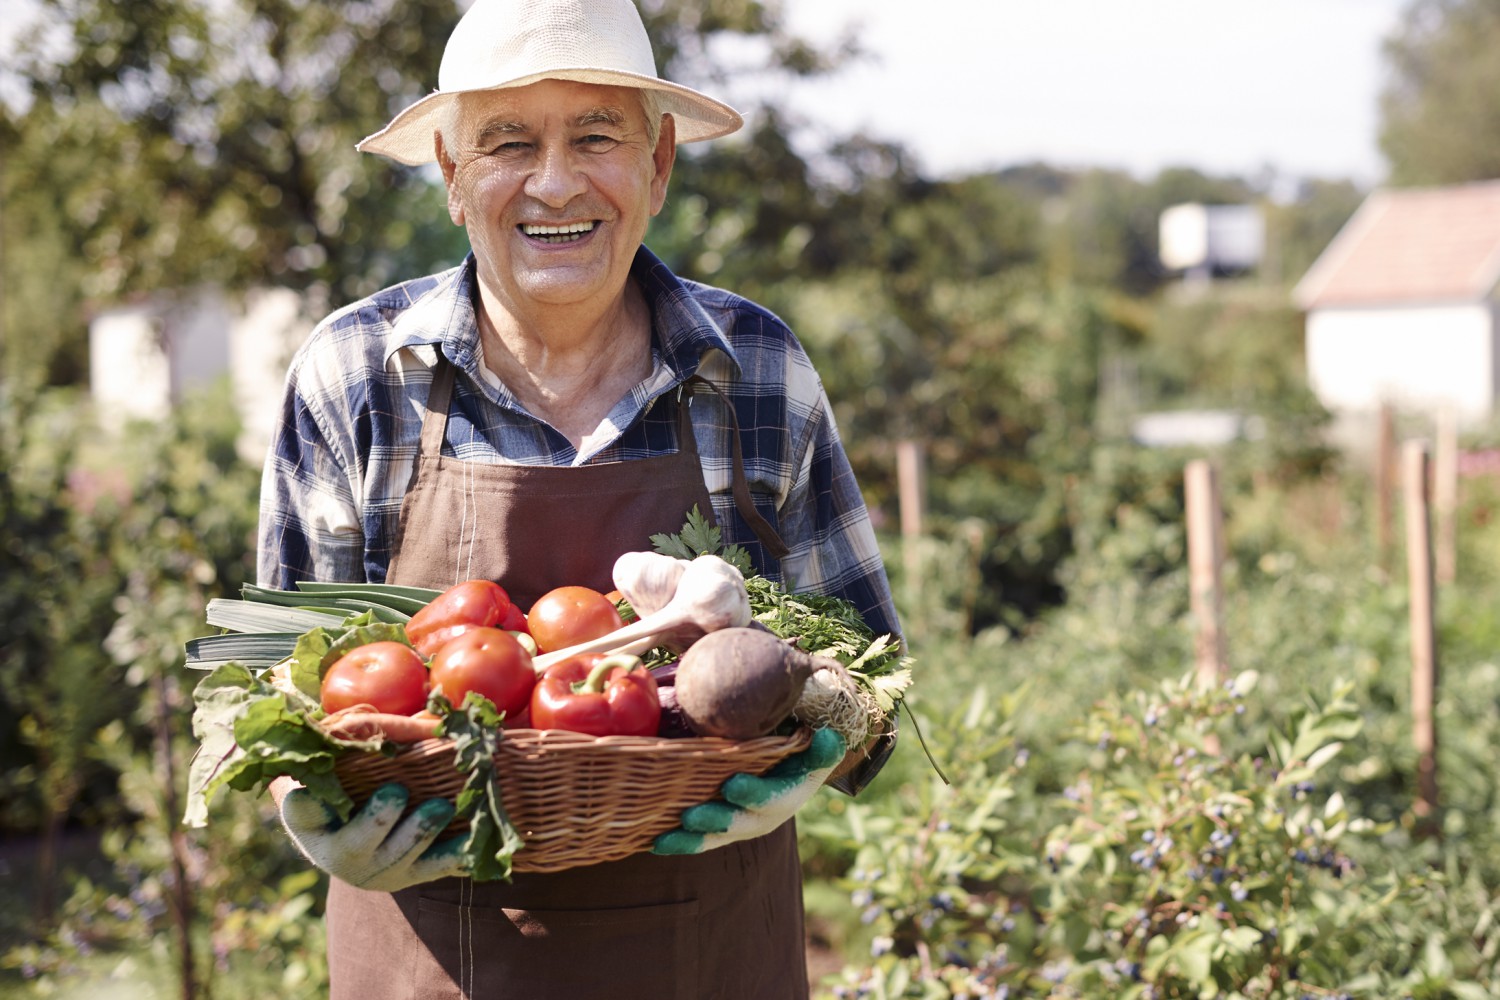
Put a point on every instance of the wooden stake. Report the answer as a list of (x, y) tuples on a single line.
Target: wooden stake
[(1423, 635), (1205, 531), (1445, 496)]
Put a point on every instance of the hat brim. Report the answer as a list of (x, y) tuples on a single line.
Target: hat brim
[(408, 138)]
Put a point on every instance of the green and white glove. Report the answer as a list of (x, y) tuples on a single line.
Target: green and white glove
[(376, 849), (756, 805)]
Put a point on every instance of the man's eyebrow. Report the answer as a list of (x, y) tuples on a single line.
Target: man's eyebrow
[(602, 116), (499, 126)]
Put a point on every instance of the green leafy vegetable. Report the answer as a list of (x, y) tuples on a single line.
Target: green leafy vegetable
[(385, 607), (824, 624), (699, 538), (256, 650), (493, 839), (319, 648), (250, 732)]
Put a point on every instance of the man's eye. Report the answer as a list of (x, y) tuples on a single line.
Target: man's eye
[(596, 139)]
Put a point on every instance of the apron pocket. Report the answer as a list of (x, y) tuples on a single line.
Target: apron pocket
[(496, 953)]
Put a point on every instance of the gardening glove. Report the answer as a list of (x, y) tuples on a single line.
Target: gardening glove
[(755, 805), (376, 849)]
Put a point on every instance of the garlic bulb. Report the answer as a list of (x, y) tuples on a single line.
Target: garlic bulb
[(647, 580), (710, 595)]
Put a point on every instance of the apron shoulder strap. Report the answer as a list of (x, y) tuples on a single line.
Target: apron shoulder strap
[(439, 397), (769, 539), (434, 417)]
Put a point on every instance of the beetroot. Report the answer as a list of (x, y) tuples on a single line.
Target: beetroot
[(674, 724), (740, 683)]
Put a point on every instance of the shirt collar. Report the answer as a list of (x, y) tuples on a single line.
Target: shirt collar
[(443, 316), (439, 316), (685, 331)]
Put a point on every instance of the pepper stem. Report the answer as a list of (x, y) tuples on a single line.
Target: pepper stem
[(594, 682)]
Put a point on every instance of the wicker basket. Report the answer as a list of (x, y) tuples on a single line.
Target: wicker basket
[(578, 800)]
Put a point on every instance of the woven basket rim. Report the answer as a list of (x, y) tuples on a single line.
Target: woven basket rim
[(578, 799)]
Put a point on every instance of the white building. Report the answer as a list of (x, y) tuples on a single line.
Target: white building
[(146, 357), (1208, 239), (1403, 307)]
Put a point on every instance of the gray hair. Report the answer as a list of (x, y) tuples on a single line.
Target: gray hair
[(651, 107)]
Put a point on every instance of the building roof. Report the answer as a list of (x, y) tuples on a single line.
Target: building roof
[(1411, 245)]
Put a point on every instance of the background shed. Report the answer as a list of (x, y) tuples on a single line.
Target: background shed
[(1404, 305)]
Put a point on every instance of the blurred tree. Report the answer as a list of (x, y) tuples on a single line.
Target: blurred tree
[(1105, 223), (1299, 230), (176, 142), (740, 213), (57, 587), (42, 331), (1441, 106), (214, 142)]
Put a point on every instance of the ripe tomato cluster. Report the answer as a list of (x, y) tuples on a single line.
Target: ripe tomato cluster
[(468, 639)]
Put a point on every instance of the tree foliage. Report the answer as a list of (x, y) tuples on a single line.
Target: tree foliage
[(1441, 106), (214, 142)]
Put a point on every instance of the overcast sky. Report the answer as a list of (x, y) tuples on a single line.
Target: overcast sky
[(1227, 86)]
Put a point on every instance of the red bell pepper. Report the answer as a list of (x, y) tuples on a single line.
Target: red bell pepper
[(597, 694)]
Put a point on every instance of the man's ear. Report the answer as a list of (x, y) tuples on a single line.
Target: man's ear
[(449, 168), (662, 158)]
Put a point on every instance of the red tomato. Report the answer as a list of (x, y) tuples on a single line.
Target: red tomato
[(514, 621), (435, 640), (570, 615), (473, 602), (489, 661), (387, 676)]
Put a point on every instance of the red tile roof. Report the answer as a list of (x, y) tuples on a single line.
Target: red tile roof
[(1414, 244)]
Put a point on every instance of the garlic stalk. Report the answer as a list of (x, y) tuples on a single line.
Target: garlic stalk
[(709, 596)]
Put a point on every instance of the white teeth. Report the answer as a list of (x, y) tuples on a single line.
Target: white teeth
[(570, 228)]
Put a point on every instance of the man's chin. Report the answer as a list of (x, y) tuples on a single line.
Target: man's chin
[(558, 285)]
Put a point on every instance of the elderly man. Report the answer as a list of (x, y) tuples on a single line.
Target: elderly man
[(526, 417)]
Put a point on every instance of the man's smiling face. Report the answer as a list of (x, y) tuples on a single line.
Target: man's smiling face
[(555, 183)]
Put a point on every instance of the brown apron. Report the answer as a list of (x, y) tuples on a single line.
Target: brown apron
[(727, 924)]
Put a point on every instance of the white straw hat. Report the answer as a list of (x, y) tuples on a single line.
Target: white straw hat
[(511, 43)]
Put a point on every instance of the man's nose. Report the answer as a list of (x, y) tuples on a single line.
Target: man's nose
[(557, 179)]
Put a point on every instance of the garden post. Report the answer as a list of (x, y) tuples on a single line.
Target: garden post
[(1205, 536), (1423, 637)]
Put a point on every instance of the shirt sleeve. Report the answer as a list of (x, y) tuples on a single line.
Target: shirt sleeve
[(826, 525), (309, 521)]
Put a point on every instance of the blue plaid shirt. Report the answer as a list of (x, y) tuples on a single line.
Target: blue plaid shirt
[(351, 420)]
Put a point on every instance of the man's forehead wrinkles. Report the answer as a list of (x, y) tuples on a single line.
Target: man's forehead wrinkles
[(498, 121)]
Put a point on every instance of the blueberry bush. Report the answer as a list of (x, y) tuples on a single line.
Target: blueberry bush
[(1111, 828)]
